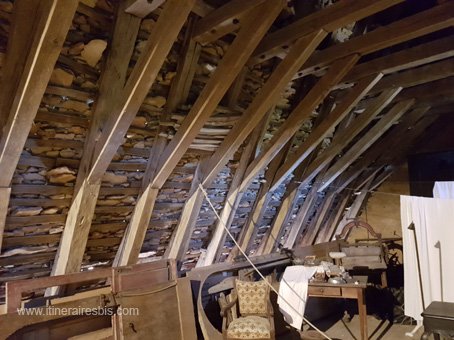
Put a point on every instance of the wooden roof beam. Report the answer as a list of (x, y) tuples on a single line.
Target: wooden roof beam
[(45, 42), (417, 76), (406, 59), (340, 112), (354, 209), (260, 204), (222, 21), (298, 116), (232, 201), (365, 142), (329, 19), (139, 83), (135, 233), (384, 145), (32, 52), (266, 98), (325, 158), (231, 64), (116, 108), (412, 27)]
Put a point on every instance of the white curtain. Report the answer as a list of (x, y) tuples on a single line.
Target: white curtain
[(434, 225), (444, 190)]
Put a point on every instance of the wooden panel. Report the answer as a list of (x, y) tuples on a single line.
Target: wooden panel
[(15, 289), (350, 293)]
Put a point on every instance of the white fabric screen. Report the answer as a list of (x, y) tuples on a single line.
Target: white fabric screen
[(444, 190), (434, 225)]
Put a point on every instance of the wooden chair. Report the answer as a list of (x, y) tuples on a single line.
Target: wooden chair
[(247, 312)]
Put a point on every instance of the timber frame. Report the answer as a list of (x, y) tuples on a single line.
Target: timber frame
[(118, 115)]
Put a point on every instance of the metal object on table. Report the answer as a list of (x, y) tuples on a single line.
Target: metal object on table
[(438, 319)]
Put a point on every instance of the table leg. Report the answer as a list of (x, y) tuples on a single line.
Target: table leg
[(362, 313)]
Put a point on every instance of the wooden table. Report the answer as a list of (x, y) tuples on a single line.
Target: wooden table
[(438, 318), (344, 291)]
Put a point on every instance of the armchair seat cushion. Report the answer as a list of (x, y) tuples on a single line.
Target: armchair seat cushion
[(249, 327)]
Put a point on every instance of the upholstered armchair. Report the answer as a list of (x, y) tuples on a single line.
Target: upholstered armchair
[(247, 312)]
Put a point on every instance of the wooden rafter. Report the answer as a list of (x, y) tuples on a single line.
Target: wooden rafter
[(406, 59), (134, 235), (341, 111), (412, 27), (299, 115), (262, 200), (232, 201), (231, 65), (384, 145), (329, 19), (354, 209), (360, 123), (30, 59), (417, 76), (223, 20), (365, 142), (121, 109)]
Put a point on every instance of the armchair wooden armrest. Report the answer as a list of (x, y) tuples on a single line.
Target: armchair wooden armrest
[(226, 306)]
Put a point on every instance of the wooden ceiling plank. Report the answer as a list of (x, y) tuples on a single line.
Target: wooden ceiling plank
[(223, 20), (328, 124), (408, 58), (431, 20), (81, 212), (266, 98), (299, 115), (230, 66), (329, 19), (50, 33), (365, 142), (342, 140)]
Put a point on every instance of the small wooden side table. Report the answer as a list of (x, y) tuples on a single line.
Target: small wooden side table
[(438, 318), (344, 291)]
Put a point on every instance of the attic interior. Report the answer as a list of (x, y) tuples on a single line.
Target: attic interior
[(226, 169)]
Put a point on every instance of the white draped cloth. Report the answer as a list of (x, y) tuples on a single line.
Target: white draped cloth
[(293, 293), (434, 225), (444, 190)]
